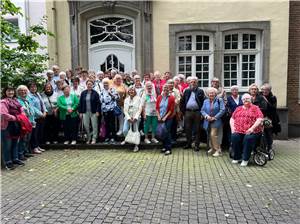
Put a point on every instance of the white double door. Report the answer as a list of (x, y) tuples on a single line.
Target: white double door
[(120, 58)]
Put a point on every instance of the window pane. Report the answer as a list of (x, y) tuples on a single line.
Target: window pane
[(252, 74), (226, 59), (245, 37), (245, 66), (245, 83), (234, 45), (181, 60), (228, 38), (205, 67), (233, 58), (226, 82), (198, 59), (252, 66), (199, 67), (245, 75), (205, 83), (234, 82), (233, 75), (245, 58), (252, 45), (253, 37), (188, 47), (199, 38), (188, 68), (226, 75), (205, 75), (181, 68), (188, 38), (188, 59), (226, 67), (188, 74), (235, 37), (227, 45), (233, 67), (206, 46), (245, 45), (205, 59), (206, 38), (252, 58), (198, 46)]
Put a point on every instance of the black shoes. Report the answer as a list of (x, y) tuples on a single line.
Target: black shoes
[(187, 147), (19, 162), (197, 149), (168, 152), (9, 166), (28, 155)]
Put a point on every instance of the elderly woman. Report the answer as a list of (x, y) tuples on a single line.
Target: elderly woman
[(158, 83), (148, 103), (76, 89), (63, 77), (212, 110), (51, 127), (108, 99), (9, 110), (121, 90), (132, 111), (38, 132), (33, 113), (165, 107), (257, 99), (69, 76), (67, 105), (270, 113), (89, 109), (176, 93), (246, 129), (139, 88)]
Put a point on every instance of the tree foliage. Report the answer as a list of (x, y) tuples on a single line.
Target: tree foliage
[(22, 63)]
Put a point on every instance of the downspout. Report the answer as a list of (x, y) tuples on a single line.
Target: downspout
[(27, 17), (54, 23)]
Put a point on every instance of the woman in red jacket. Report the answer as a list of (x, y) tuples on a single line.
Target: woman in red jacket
[(165, 106)]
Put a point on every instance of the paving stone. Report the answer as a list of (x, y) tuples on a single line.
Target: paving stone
[(118, 186)]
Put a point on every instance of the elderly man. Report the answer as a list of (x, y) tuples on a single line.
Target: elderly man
[(55, 70), (50, 79), (190, 105)]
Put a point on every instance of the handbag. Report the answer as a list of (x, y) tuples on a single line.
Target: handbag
[(133, 136), (117, 111), (161, 131), (267, 122)]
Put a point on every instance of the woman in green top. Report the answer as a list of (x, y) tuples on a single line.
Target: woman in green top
[(67, 105)]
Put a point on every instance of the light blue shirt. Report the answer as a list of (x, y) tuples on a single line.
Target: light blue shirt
[(192, 103), (163, 106)]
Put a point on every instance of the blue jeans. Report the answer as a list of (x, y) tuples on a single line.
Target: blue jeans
[(9, 147), (126, 126), (243, 145), (167, 141), (24, 145)]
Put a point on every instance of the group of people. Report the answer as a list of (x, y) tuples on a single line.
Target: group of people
[(112, 105)]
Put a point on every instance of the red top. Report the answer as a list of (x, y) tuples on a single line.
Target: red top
[(244, 118), (170, 107), (158, 85), (183, 86)]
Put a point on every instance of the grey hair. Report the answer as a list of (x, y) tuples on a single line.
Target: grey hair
[(246, 95), (21, 87), (49, 72), (253, 85), (266, 85), (234, 87), (211, 89), (215, 79), (193, 78)]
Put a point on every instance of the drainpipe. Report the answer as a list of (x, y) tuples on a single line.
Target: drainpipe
[(54, 24), (26, 17)]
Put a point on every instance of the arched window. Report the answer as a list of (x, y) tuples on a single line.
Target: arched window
[(111, 29), (194, 56), (112, 62)]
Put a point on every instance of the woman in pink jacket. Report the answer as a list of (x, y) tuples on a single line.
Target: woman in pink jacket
[(10, 132)]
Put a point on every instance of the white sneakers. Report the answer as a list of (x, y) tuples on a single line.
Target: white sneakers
[(136, 149), (153, 140), (73, 142), (147, 141), (123, 143), (217, 154), (244, 163)]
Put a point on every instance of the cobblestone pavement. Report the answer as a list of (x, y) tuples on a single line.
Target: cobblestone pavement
[(119, 186)]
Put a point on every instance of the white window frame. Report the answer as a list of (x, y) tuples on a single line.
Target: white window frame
[(193, 53), (240, 52)]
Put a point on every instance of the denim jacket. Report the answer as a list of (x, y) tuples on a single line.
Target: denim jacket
[(217, 111)]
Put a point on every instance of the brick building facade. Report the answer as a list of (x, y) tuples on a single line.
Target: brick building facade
[(293, 90)]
